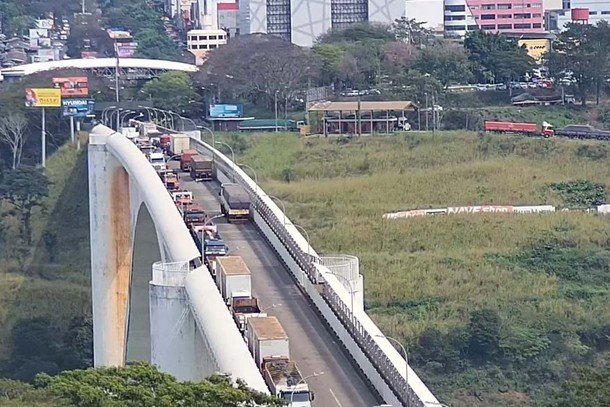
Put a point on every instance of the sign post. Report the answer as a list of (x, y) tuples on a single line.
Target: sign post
[(44, 140), (43, 97), (72, 129)]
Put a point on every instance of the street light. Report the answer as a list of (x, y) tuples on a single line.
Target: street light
[(351, 290), (255, 176), (275, 102), (232, 155), (404, 351), (119, 122), (299, 382), (283, 207), (104, 118), (116, 111), (135, 117)]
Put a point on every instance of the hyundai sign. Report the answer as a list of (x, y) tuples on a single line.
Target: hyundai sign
[(79, 108), (220, 111)]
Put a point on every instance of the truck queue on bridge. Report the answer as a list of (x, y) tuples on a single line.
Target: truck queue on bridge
[(266, 339)]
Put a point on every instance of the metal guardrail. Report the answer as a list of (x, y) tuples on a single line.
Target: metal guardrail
[(365, 341), (170, 274)]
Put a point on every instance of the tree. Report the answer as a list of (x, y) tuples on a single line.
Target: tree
[(12, 132), (172, 91), (141, 384), (446, 62), (326, 59), (411, 31), (484, 333), (399, 56), (155, 45), (25, 188), (589, 387)]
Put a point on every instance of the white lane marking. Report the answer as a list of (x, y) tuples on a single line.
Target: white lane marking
[(335, 397)]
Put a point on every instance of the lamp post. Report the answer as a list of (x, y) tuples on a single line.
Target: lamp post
[(275, 103), (119, 122), (132, 112), (283, 207), (232, 157), (351, 290), (255, 176), (404, 351), (301, 381), (116, 112), (104, 112), (207, 222)]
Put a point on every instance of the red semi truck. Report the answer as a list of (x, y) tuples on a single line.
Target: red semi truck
[(545, 130)]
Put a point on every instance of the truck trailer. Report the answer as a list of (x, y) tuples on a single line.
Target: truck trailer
[(201, 168), (185, 159), (234, 202), (178, 143), (266, 339), (530, 129), (233, 278)]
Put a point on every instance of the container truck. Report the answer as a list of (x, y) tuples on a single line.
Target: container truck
[(286, 382), (234, 202), (545, 130), (266, 338), (185, 159), (178, 143), (157, 160), (233, 278), (243, 309), (193, 213), (201, 168)]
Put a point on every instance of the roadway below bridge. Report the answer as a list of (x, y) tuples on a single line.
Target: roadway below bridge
[(312, 346)]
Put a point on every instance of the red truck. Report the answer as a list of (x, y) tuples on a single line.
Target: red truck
[(546, 130), (185, 159)]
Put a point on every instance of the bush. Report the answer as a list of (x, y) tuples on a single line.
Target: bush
[(581, 193), (593, 152), (484, 335)]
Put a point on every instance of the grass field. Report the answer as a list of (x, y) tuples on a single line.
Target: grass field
[(546, 277)]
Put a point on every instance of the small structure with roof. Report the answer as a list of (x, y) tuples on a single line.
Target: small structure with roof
[(360, 117)]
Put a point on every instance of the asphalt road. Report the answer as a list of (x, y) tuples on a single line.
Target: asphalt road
[(312, 346)]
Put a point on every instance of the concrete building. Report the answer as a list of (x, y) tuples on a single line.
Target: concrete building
[(497, 16), (301, 22), (200, 42), (429, 11), (578, 11)]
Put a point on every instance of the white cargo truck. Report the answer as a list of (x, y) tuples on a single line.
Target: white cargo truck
[(157, 160), (178, 143), (266, 339), (233, 278)]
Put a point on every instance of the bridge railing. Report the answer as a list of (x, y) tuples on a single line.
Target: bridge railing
[(361, 328)]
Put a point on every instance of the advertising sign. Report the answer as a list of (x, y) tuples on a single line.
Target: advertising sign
[(126, 49), (480, 209), (88, 54), (77, 107), (536, 48), (38, 33), (42, 97), (72, 86), (220, 111)]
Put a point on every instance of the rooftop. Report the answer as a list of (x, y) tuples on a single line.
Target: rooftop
[(266, 327), (363, 105), (233, 265)]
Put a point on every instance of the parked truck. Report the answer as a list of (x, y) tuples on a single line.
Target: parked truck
[(201, 168), (157, 160), (530, 129), (233, 278), (269, 346), (178, 143), (243, 309), (234, 202), (584, 132), (185, 159)]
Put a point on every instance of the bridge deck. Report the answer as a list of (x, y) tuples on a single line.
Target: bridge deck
[(312, 346)]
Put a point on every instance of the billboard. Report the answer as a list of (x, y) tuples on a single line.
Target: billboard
[(220, 111), (77, 107), (88, 54), (117, 33), (126, 49), (42, 97), (72, 86), (536, 48)]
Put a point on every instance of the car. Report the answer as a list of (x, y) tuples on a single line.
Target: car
[(532, 85), (501, 86)]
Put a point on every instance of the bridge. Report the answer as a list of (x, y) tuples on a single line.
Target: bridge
[(129, 68), (318, 300)]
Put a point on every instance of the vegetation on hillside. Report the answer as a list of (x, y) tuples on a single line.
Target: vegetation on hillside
[(494, 309)]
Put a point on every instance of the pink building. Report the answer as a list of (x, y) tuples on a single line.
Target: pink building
[(505, 16)]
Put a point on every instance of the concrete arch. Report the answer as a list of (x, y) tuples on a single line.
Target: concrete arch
[(120, 181)]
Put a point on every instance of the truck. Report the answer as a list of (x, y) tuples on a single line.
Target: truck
[(233, 279), (266, 338), (185, 159), (530, 129), (212, 243), (234, 202), (178, 143), (584, 132), (193, 213), (182, 198), (244, 308), (171, 181), (286, 382), (165, 141), (201, 168), (157, 160)]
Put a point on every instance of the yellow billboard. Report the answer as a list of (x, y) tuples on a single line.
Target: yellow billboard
[(536, 48), (42, 97)]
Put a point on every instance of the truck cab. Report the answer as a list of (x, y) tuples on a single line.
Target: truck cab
[(171, 181), (157, 160), (193, 214)]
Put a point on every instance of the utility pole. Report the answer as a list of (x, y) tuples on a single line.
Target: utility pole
[(83, 7)]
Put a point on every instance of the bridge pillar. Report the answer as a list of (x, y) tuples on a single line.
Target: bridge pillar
[(177, 346), (111, 229)]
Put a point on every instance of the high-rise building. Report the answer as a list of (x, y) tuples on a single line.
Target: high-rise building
[(577, 11), (302, 21), (496, 16)]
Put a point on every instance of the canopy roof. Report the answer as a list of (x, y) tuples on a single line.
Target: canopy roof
[(364, 105)]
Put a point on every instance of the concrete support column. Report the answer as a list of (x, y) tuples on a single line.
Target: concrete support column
[(111, 252)]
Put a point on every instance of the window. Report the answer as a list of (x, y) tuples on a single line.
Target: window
[(488, 16), (213, 37), (522, 16), (212, 46), (505, 26), (455, 8), (505, 16), (517, 5), (455, 18), (537, 5), (488, 27), (536, 25), (203, 38), (488, 7), (455, 28), (473, 27), (592, 13), (504, 6), (605, 13), (522, 26), (474, 7)]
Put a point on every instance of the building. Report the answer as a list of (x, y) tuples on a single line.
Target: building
[(302, 21), (200, 42), (497, 16), (577, 11), (428, 11)]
